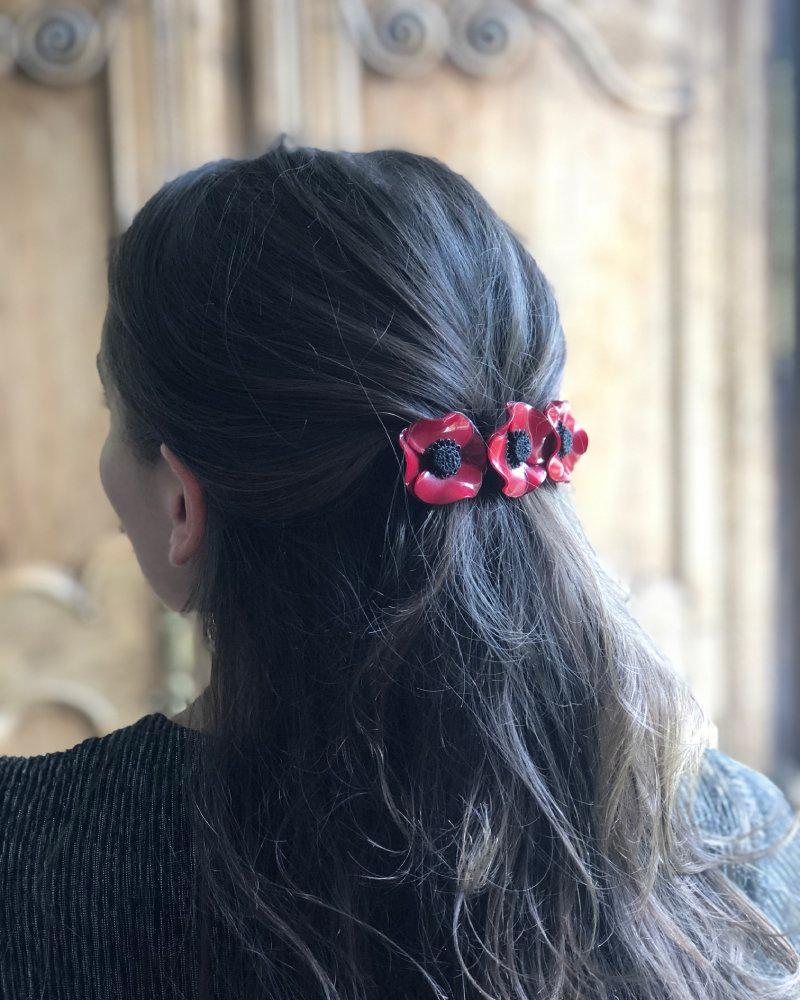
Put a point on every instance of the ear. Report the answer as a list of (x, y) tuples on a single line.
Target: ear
[(187, 510)]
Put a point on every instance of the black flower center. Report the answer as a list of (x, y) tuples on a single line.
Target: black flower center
[(518, 447), (444, 457), (566, 439)]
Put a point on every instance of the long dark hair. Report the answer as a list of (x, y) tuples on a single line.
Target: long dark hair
[(445, 761)]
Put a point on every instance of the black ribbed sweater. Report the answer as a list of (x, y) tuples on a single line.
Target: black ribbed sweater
[(95, 866)]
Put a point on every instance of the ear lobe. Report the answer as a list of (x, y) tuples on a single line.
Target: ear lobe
[(178, 546), (187, 534)]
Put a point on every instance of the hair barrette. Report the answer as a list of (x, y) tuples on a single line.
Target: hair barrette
[(446, 457)]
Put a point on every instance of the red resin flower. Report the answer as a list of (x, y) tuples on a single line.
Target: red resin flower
[(572, 441), (517, 448), (445, 458)]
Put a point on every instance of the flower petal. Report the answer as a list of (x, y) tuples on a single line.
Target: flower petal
[(432, 489), (535, 475), (518, 415), (516, 481), (496, 452), (474, 451), (580, 440), (568, 461), (411, 466), (556, 470), (543, 437), (557, 409), (426, 430), (470, 476)]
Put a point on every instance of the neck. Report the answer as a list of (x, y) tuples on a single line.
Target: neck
[(192, 717)]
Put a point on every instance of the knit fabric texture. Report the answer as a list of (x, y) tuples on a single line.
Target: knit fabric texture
[(95, 868)]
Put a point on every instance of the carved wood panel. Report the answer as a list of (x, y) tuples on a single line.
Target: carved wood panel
[(624, 139)]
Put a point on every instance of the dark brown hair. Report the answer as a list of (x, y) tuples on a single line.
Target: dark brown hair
[(446, 760)]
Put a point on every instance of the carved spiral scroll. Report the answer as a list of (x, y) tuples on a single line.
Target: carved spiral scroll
[(489, 39), (60, 45), (492, 37), (590, 47), (403, 38)]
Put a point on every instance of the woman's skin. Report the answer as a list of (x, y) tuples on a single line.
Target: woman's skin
[(162, 510)]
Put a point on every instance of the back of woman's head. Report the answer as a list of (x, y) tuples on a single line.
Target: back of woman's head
[(446, 761)]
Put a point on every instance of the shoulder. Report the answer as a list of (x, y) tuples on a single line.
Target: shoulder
[(95, 863), (151, 744), (733, 799), (78, 800)]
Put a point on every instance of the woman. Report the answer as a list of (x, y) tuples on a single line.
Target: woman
[(437, 757)]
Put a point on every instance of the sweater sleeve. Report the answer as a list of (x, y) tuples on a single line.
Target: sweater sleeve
[(735, 798)]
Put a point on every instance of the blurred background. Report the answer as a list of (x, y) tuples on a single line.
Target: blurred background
[(644, 150)]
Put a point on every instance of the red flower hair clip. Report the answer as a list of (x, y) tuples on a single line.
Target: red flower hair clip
[(517, 449), (572, 441), (446, 457)]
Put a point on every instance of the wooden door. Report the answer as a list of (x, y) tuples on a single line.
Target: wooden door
[(626, 141)]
